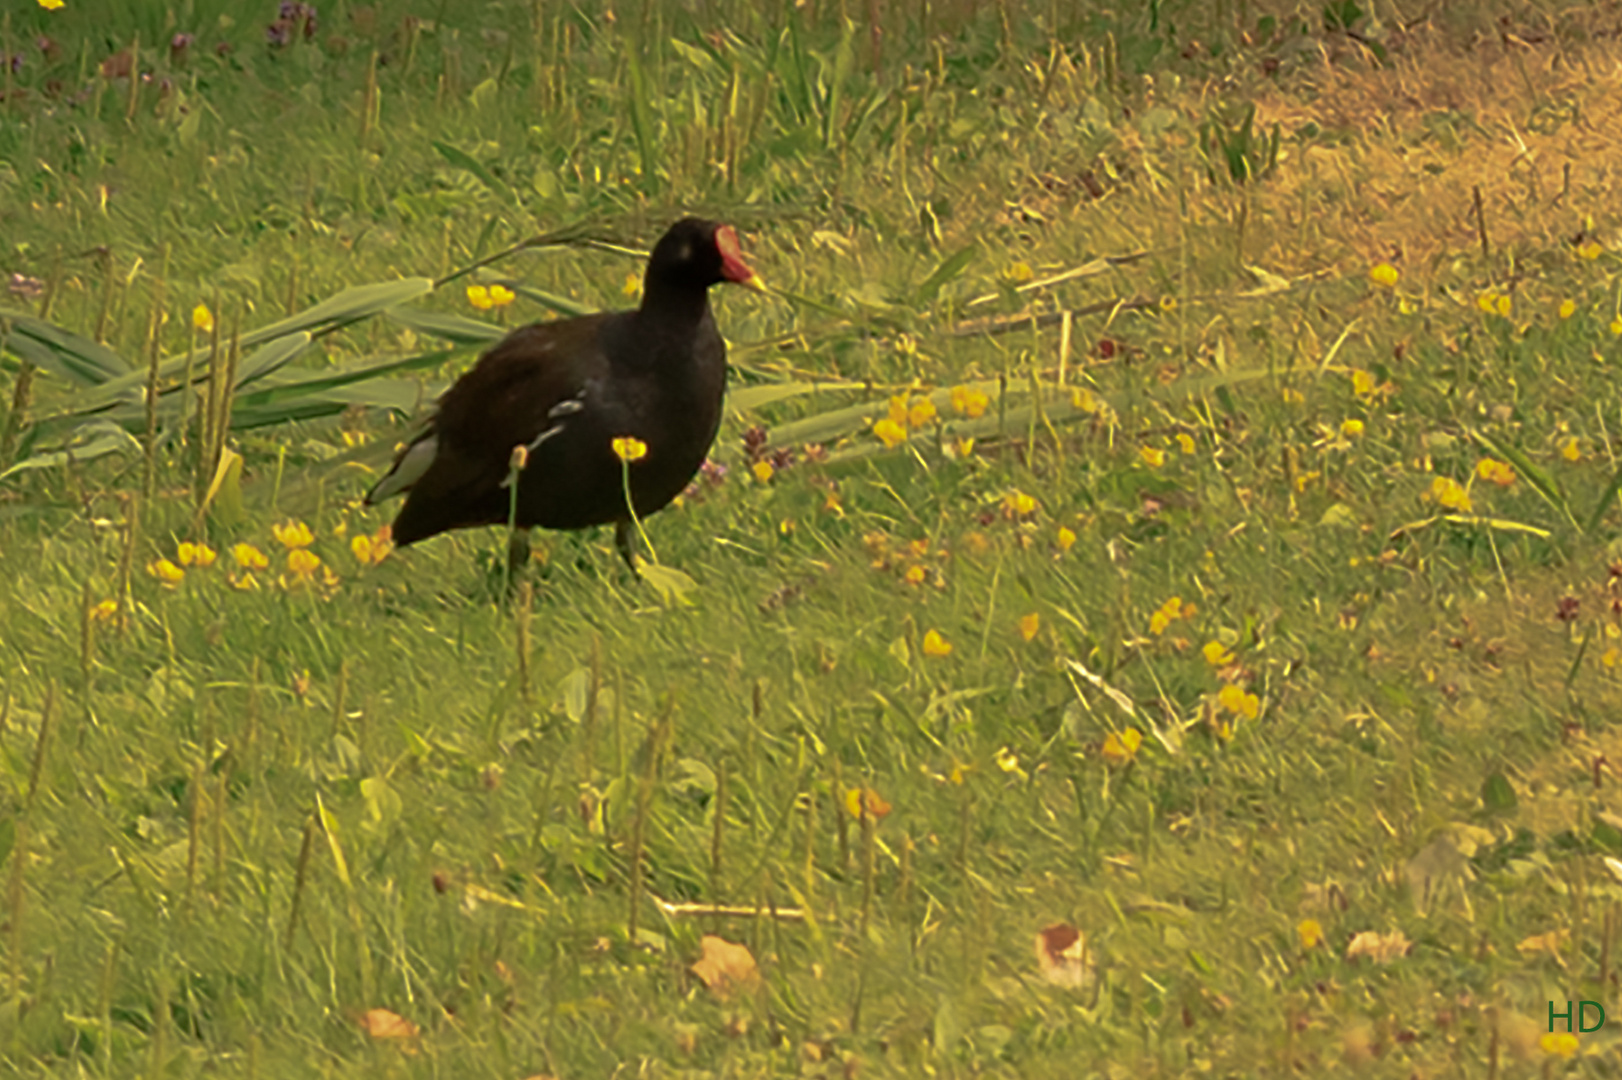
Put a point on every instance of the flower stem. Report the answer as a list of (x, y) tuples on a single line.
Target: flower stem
[(630, 506)]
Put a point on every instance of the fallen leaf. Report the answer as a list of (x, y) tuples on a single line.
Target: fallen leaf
[(1550, 943), (383, 1024), (725, 967), (1061, 951), (1381, 948)]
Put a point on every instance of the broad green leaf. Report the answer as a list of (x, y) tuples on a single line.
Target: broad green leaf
[(344, 307), (457, 328), (755, 397), (290, 387), (227, 487), (561, 304), (575, 688), (401, 395), (463, 160), (90, 441), (641, 123), (954, 265), (1497, 795), (383, 803), (263, 361), (329, 827), (60, 352), (671, 584), (1604, 502), (1541, 481)]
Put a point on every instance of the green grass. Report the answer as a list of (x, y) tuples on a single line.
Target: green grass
[(239, 818)]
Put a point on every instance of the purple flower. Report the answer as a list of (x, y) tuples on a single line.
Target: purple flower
[(713, 472), (178, 46), (16, 62), (291, 19)]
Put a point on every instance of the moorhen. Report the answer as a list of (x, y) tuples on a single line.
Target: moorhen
[(564, 391)]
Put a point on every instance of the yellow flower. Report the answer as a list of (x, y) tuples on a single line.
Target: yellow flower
[(1029, 625), (294, 534), (1571, 449), (915, 575), (935, 645), (165, 571), (1560, 1044), (1018, 504), (763, 471), (629, 448), (967, 401), (898, 410), (889, 432), (1351, 429), (1487, 302), (1309, 933), (1217, 654), (1568, 308), (51, 5), (1616, 326), (1384, 275), (921, 412), (1292, 396), (303, 562), (1121, 748), (1236, 700), (1362, 383), (632, 285), (1451, 494), (1495, 472), (249, 557), (1610, 657), (1169, 612), (371, 550), (962, 449), (1084, 399), (501, 296), (195, 555), (1066, 538), (1153, 456), (202, 319), (1590, 250), (479, 297), (1008, 761), (1406, 306), (1505, 304), (245, 583), (1019, 272), (105, 610), (1185, 442)]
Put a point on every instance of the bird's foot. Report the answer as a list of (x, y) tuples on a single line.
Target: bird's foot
[(622, 544)]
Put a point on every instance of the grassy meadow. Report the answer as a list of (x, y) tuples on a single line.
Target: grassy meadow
[(1154, 612)]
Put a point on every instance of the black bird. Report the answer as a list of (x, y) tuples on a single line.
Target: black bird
[(564, 391)]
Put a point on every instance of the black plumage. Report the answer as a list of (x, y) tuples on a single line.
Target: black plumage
[(565, 390)]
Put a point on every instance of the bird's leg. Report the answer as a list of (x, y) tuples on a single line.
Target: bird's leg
[(517, 553), (622, 543)]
